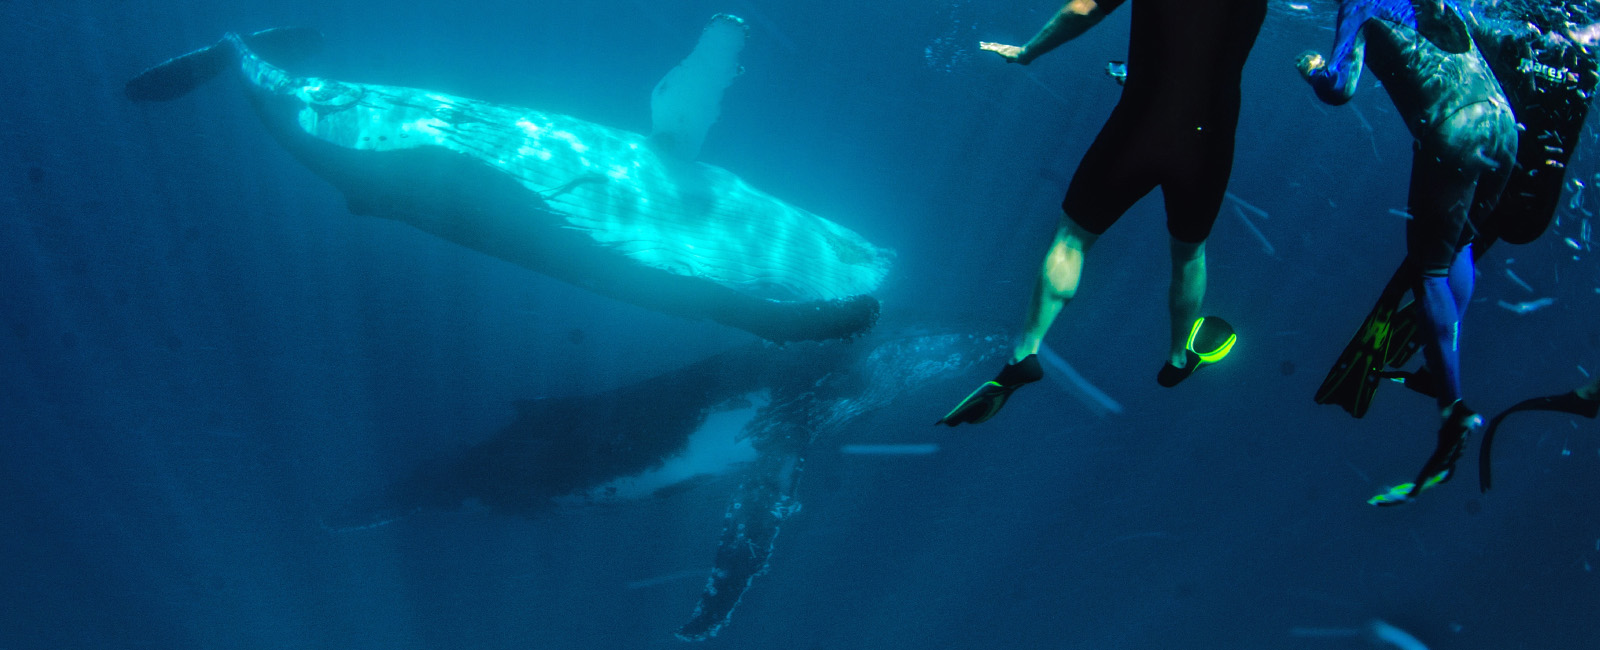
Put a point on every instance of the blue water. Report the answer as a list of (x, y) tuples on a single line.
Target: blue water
[(203, 353)]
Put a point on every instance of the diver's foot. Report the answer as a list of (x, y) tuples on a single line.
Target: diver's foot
[(1172, 374), (1459, 422), (1210, 339), (986, 401)]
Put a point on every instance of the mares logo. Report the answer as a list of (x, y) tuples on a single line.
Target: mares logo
[(1547, 72)]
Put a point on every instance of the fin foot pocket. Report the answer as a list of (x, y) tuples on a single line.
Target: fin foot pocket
[(1441, 466), (1210, 341), (987, 400), (1458, 425)]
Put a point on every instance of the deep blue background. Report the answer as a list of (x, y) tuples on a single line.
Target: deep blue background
[(202, 352)]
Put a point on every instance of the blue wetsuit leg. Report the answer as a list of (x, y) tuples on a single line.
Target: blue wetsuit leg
[(1441, 326), (1463, 279)]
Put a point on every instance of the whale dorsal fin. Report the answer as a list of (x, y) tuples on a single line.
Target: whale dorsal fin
[(688, 100)]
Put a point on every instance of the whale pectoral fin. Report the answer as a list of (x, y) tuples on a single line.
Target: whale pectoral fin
[(749, 529), (688, 100)]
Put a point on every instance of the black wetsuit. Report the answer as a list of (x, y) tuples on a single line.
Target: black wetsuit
[(1174, 126), (1549, 82)]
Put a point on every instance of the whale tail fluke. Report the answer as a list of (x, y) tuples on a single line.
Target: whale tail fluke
[(178, 76)]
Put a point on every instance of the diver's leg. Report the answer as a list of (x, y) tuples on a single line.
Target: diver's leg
[(1463, 280), (1441, 193), (1496, 152), (1456, 178), (1185, 295), (1441, 334), (1058, 283)]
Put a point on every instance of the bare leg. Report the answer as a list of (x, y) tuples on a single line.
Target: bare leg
[(1186, 294), (1058, 283)]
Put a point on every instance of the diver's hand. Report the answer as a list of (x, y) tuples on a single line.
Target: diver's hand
[(1310, 62), (1011, 53)]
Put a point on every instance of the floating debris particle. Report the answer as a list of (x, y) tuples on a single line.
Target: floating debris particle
[(1528, 307), (1517, 279)]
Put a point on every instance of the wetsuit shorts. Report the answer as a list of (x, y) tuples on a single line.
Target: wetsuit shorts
[(1134, 153), (1457, 174)]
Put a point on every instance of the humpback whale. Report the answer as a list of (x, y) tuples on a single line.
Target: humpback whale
[(629, 216), (752, 412)]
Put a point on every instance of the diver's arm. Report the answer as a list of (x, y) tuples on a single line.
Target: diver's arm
[(1075, 18), (1335, 82), (1338, 85)]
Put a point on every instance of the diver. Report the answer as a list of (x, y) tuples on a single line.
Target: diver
[(1174, 128), (1546, 63), (1583, 401), (1465, 146), (1543, 54)]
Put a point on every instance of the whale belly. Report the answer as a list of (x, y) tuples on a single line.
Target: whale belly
[(684, 218)]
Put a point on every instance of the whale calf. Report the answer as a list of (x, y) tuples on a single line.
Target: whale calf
[(753, 413), (625, 215)]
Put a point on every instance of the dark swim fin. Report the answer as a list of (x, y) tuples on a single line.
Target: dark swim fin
[(1210, 340), (1441, 465), (178, 76), (1565, 403), (1419, 380), (986, 401), (1404, 341), (1354, 378)]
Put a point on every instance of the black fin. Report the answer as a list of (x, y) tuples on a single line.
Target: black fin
[(1564, 403), (1354, 378), (178, 76), (175, 77)]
